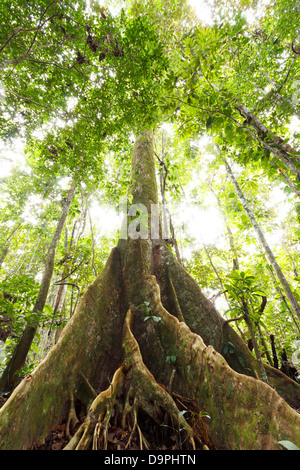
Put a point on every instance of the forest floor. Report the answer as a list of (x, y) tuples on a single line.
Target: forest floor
[(158, 436)]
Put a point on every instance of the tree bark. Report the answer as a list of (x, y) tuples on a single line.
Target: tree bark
[(18, 359), (113, 359), (235, 260), (281, 295), (291, 258), (11, 234), (4, 254)]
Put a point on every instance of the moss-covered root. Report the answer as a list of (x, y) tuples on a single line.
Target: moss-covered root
[(245, 412), (133, 388), (202, 318), (99, 413), (198, 312)]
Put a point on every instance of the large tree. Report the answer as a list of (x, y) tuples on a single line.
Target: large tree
[(115, 363), (145, 349)]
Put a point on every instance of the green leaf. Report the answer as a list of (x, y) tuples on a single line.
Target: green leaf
[(259, 292), (170, 359), (156, 319), (35, 348), (48, 309), (209, 122), (289, 445)]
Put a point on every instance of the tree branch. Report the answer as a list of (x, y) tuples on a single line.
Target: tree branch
[(72, 272), (234, 319)]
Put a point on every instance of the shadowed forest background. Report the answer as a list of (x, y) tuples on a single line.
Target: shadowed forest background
[(188, 340)]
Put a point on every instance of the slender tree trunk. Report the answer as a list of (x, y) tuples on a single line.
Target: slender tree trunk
[(236, 266), (113, 358), (254, 342), (168, 227), (213, 266), (60, 302), (291, 258), (93, 244), (60, 297), (264, 345), (282, 296), (62, 310), (229, 232), (289, 182), (45, 332), (17, 266), (285, 285), (33, 255), (11, 234), (173, 238), (275, 358), (4, 254), (18, 359)]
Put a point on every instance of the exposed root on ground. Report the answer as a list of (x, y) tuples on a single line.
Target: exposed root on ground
[(113, 417)]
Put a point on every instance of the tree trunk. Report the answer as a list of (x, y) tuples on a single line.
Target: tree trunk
[(213, 267), (281, 294), (283, 281), (292, 259), (248, 321), (11, 234), (20, 261), (4, 254), (9, 376), (128, 363), (289, 182), (235, 260)]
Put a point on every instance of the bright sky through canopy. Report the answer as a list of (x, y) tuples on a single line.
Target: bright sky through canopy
[(203, 10)]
